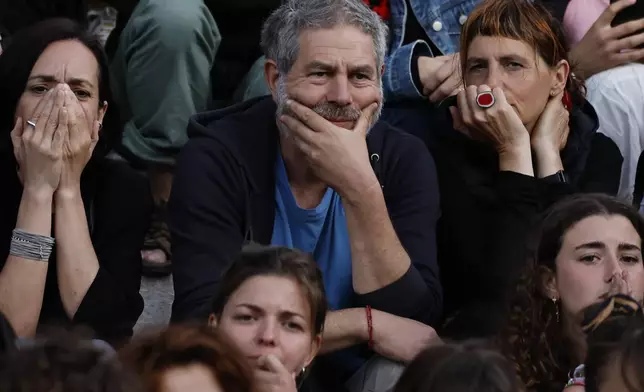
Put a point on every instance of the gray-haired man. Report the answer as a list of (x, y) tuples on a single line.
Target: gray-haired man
[(312, 169)]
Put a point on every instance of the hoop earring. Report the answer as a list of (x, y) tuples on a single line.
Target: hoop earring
[(303, 371), (554, 302)]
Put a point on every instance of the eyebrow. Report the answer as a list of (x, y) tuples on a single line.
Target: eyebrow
[(361, 68), (507, 57), (257, 309), (53, 79), (600, 245)]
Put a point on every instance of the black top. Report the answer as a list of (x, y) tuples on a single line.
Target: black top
[(118, 204), (224, 194), (488, 215)]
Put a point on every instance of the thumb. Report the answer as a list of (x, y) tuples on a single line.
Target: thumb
[(557, 99), (273, 364), (364, 122)]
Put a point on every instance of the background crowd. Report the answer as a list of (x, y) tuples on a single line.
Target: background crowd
[(348, 195)]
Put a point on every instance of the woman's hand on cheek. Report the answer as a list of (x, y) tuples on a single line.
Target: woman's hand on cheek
[(78, 146), (38, 149), (552, 129)]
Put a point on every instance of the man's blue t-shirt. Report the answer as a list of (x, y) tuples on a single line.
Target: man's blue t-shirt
[(321, 231)]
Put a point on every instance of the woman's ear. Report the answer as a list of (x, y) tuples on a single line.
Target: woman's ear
[(316, 343), (212, 320), (560, 77), (548, 283), (102, 109)]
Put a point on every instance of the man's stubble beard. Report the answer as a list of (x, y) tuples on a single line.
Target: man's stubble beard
[(324, 109)]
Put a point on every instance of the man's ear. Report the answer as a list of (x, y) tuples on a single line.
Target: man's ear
[(212, 320), (271, 74), (548, 283)]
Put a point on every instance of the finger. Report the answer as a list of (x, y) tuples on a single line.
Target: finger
[(499, 97), (272, 363), (298, 128), (457, 121), (43, 116), (60, 135), (609, 13), (38, 110), (16, 132), (626, 29), (476, 112), (52, 122), (16, 138), (447, 88), (440, 76), (307, 116), (464, 108), (630, 42), (630, 56), (365, 121)]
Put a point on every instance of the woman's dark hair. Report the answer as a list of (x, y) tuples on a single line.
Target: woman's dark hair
[(150, 356), (617, 335), (534, 338), (468, 367), (17, 61), (65, 362), (256, 260), (17, 15), (526, 21)]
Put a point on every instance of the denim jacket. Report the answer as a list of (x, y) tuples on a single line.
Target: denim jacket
[(441, 20)]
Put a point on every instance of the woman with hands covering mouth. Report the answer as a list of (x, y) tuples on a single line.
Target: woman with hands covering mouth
[(72, 221)]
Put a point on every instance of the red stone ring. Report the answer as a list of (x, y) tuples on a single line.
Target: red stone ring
[(485, 99)]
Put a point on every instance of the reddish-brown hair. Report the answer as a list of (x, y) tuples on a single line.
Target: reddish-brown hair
[(525, 21), (152, 355)]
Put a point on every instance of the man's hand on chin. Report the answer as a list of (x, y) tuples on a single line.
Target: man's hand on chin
[(339, 156)]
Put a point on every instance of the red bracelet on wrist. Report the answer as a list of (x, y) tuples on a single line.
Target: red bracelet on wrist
[(369, 326)]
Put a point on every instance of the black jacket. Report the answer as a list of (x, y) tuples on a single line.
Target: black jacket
[(224, 194), (488, 215), (118, 205)]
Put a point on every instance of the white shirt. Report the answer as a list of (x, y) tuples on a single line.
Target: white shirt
[(618, 97)]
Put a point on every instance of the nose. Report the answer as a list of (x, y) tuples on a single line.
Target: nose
[(268, 333), (613, 269), (493, 78), (339, 91)]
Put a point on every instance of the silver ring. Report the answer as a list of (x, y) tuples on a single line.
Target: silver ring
[(33, 124)]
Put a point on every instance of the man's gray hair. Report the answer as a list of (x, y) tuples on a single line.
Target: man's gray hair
[(281, 31)]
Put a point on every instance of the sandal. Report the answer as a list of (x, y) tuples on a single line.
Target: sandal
[(156, 256)]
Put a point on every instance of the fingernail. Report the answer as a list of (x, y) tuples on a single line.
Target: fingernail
[(289, 102)]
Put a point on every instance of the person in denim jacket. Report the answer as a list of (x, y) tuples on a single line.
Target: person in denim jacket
[(424, 43)]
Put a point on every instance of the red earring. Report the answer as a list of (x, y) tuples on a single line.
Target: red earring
[(566, 100)]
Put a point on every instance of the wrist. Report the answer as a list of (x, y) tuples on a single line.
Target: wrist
[(38, 194), (361, 189), (67, 194)]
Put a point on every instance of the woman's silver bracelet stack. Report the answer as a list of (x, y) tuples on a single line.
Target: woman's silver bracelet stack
[(31, 246)]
